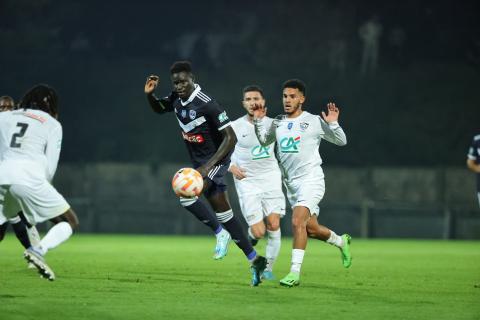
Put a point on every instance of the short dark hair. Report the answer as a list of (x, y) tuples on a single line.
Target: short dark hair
[(41, 97), (181, 66), (253, 87), (295, 84)]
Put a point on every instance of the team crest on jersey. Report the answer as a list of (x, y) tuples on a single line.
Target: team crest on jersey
[(289, 145), (222, 117), (290, 125), (184, 113), (304, 126), (259, 152), (192, 114)]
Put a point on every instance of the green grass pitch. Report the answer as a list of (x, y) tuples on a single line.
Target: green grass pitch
[(156, 277)]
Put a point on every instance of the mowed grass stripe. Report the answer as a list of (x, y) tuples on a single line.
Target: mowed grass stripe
[(157, 277)]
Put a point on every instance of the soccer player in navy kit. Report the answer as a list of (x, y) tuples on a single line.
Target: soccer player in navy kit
[(210, 140), (473, 161)]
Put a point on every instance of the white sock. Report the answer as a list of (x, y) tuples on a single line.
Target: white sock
[(335, 239), (297, 259), (273, 247), (33, 236), (58, 234)]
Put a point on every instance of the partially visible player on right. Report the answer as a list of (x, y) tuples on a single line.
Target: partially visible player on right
[(258, 180), (473, 161)]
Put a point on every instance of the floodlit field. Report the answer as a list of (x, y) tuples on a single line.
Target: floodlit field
[(150, 277)]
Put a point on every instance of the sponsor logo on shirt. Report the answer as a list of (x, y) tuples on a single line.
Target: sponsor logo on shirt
[(289, 144), (259, 152), (193, 138), (192, 114), (290, 125), (184, 113), (222, 117)]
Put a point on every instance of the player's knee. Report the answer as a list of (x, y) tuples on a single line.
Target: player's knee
[(310, 233), (186, 202), (298, 223), (273, 225), (257, 231)]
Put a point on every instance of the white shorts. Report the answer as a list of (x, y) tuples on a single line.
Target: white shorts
[(40, 202), (306, 193), (9, 207), (256, 207), (259, 198)]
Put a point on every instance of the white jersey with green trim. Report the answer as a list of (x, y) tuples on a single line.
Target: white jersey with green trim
[(257, 160), (298, 140), (30, 144)]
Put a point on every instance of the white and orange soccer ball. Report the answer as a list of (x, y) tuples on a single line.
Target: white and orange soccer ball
[(187, 182)]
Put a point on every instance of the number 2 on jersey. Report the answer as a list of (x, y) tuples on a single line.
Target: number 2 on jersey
[(21, 133)]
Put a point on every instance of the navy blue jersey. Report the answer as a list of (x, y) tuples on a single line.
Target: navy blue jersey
[(474, 154), (200, 118)]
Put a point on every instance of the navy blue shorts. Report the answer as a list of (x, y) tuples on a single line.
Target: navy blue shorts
[(215, 180)]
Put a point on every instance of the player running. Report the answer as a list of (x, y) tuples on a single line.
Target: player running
[(298, 134), (31, 139), (210, 139), (258, 180)]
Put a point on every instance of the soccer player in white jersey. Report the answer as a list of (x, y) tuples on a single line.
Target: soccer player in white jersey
[(258, 180), (298, 134), (26, 235), (31, 139)]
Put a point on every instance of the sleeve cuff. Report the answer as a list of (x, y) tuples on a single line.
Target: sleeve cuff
[(334, 124), (225, 125)]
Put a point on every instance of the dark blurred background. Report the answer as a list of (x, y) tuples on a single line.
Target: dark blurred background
[(406, 74)]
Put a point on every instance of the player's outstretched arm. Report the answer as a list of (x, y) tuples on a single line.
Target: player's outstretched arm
[(227, 145), (332, 131), (158, 105)]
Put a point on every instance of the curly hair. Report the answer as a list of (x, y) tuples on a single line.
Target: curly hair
[(41, 97)]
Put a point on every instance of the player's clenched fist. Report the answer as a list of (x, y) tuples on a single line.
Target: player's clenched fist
[(259, 111), (151, 84)]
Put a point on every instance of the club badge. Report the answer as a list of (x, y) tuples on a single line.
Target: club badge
[(304, 126)]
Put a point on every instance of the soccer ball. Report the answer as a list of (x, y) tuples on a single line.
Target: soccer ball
[(187, 182)]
